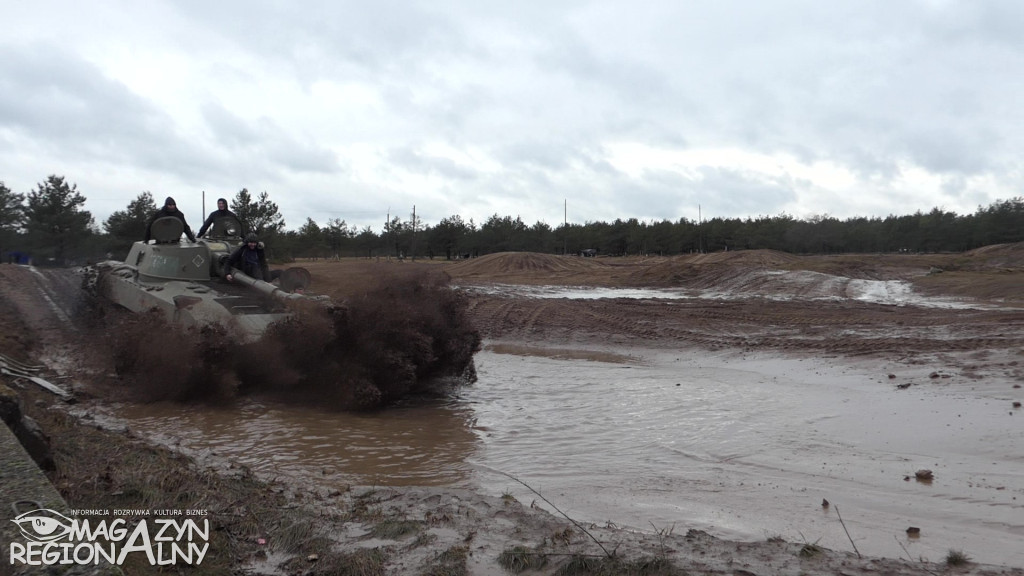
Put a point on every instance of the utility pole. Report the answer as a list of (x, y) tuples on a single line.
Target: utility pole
[(565, 226), (700, 231), (412, 248)]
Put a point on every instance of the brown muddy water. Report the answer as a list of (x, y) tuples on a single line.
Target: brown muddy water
[(742, 446)]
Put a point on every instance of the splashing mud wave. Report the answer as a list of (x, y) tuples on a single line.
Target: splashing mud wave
[(392, 341)]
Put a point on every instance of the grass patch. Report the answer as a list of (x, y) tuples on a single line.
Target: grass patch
[(294, 537), (957, 558), (578, 565), (519, 558), (809, 551), (603, 566), (451, 562)]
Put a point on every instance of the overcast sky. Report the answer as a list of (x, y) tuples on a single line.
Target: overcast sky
[(641, 109)]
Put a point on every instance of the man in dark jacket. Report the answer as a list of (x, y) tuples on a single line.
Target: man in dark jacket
[(221, 212), (170, 209), (249, 259)]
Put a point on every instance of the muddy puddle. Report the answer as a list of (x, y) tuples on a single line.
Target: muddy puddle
[(745, 447), (423, 445), (750, 447)]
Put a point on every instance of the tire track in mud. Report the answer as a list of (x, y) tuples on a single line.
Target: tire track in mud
[(26, 289), (46, 301), (53, 289)]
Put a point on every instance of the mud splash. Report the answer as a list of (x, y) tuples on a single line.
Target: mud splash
[(390, 342)]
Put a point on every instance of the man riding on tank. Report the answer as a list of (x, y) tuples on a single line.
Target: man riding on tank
[(170, 209), (250, 259), (221, 212)]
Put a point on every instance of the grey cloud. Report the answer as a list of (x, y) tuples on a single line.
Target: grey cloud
[(228, 130), (53, 93), (870, 86), (76, 113), (666, 195), (263, 147), (546, 154), (413, 160), (738, 192), (324, 39)]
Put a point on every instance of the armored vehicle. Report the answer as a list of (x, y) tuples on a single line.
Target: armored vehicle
[(186, 281)]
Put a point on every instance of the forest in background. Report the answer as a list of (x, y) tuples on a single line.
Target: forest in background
[(50, 225)]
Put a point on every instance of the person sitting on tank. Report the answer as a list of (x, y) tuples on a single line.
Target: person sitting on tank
[(250, 259), (221, 212), (170, 209)]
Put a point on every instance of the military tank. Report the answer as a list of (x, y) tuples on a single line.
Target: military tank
[(185, 281)]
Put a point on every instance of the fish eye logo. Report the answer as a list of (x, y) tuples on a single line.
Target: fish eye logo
[(43, 525)]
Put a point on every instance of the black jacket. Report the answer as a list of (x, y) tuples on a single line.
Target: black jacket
[(213, 217), (253, 265), (165, 212)]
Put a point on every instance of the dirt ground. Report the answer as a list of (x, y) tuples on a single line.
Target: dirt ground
[(814, 310)]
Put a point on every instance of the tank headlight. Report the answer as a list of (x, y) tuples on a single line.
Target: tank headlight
[(232, 232)]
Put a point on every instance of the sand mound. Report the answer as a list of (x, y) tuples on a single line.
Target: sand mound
[(765, 258), (685, 269), (1000, 255), (514, 263)]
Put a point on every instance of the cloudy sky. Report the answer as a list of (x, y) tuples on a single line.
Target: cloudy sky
[(641, 109)]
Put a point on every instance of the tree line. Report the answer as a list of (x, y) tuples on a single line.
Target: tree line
[(50, 224)]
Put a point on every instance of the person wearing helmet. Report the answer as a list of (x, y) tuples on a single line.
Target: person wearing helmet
[(170, 209), (249, 259), (221, 212)]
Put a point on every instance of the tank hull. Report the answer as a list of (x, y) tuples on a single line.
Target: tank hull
[(190, 304)]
